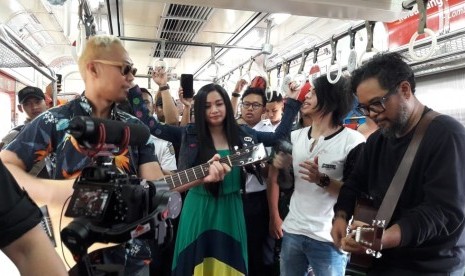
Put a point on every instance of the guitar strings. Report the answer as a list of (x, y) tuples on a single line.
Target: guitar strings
[(176, 179)]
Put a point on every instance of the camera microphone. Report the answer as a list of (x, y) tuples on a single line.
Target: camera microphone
[(87, 129)]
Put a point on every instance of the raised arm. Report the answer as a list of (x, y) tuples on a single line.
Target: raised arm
[(236, 94), (160, 77), (165, 132), (187, 106), (291, 108)]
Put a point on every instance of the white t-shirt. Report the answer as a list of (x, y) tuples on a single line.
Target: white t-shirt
[(164, 152), (252, 184), (311, 207)]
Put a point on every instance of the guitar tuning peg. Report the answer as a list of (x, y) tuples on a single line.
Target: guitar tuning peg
[(378, 255), (236, 147), (262, 165)]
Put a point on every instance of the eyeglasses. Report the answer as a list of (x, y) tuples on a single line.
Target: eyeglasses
[(124, 67), (376, 106), (254, 106)]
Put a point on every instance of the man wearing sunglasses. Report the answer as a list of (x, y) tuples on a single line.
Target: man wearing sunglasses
[(108, 73), (426, 233)]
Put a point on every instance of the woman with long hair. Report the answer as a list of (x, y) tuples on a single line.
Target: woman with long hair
[(211, 238)]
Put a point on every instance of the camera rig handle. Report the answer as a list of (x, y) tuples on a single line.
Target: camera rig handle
[(81, 233)]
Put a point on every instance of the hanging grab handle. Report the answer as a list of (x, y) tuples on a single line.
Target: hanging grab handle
[(369, 26), (334, 61), (421, 30), (214, 64)]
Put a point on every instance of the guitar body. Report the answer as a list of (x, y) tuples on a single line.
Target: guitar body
[(364, 212)]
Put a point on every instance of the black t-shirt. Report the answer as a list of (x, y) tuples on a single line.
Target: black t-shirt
[(18, 213), (431, 209)]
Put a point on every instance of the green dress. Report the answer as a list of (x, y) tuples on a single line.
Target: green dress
[(211, 238)]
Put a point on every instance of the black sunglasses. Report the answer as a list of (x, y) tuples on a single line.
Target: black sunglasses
[(124, 67)]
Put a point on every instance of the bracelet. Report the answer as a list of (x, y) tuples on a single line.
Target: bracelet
[(164, 87), (235, 94)]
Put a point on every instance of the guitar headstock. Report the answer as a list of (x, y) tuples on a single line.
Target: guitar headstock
[(370, 237), (248, 155)]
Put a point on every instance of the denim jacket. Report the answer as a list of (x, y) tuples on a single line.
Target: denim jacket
[(189, 151), (176, 134)]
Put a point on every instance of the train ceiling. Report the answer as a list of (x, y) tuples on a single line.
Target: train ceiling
[(241, 26)]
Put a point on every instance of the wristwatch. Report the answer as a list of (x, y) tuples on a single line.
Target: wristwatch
[(324, 181), (164, 87), (235, 94)]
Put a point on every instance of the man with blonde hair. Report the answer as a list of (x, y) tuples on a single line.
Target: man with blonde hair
[(108, 72)]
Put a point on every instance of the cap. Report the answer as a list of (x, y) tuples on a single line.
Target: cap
[(30, 91)]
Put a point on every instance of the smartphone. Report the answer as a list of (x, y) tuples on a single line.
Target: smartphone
[(187, 84)]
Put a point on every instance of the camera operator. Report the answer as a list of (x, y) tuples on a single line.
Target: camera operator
[(107, 71), (21, 237)]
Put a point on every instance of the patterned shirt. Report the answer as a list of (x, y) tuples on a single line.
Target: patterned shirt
[(47, 135)]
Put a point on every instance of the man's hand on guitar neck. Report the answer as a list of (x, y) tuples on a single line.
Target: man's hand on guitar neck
[(391, 236), (349, 244), (343, 240)]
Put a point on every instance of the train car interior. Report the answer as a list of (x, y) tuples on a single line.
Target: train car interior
[(223, 41)]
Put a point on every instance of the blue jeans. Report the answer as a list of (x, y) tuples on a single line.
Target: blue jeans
[(299, 253)]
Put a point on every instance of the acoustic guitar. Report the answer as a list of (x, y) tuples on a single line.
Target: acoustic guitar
[(369, 235)]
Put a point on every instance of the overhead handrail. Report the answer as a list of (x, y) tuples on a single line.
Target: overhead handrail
[(189, 43), (422, 28), (334, 61), (322, 44), (6, 38)]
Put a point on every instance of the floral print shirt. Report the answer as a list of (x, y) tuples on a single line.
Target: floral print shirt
[(47, 135)]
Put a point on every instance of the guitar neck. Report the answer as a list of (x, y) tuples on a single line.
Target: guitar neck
[(186, 176)]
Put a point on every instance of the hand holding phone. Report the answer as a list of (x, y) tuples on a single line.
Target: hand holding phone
[(187, 84)]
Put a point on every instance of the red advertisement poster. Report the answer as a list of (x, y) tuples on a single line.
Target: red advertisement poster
[(443, 16)]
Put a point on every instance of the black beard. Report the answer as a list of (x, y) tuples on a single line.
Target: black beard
[(398, 126)]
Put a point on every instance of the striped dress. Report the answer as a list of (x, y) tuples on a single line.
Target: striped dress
[(211, 238)]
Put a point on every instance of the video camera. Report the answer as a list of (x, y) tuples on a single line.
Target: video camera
[(109, 206)]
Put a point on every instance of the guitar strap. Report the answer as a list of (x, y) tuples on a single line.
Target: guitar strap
[(398, 181)]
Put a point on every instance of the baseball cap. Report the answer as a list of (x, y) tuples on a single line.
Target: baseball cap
[(30, 91)]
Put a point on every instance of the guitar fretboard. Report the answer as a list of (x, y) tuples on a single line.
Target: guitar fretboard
[(195, 173)]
